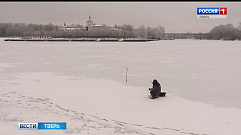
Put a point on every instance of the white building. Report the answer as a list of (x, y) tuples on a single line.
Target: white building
[(70, 28), (90, 26)]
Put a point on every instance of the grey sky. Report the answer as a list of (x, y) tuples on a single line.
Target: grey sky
[(178, 16)]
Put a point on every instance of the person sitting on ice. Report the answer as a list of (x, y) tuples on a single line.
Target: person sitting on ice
[(156, 89)]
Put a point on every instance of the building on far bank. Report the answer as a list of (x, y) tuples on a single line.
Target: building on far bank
[(90, 26), (71, 28)]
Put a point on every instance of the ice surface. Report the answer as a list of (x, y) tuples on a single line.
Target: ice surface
[(84, 84)]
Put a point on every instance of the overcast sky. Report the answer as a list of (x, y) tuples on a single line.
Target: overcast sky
[(174, 16)]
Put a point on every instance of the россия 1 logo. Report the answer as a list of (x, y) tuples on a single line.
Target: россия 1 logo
[(211, 12)]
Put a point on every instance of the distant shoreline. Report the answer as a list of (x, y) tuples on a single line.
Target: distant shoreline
[(85, 39)]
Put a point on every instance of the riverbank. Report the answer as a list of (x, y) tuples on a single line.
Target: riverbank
[(84, 39)]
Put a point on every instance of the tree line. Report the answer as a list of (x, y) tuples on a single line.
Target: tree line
[(50, 30), (225, 32), (27, 30)]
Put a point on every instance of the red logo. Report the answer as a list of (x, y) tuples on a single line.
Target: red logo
[(223, 10)]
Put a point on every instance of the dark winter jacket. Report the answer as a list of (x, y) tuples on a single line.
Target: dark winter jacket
[(156, 89)]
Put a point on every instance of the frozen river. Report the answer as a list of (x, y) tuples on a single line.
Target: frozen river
[(199, 70), (84, 84)]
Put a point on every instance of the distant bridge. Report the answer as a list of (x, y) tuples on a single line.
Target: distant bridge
[(188, 35)]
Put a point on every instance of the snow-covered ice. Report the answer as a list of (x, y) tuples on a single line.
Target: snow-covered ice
[(84, 84)]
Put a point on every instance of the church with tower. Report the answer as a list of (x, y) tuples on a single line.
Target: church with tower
[(89, 23)]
